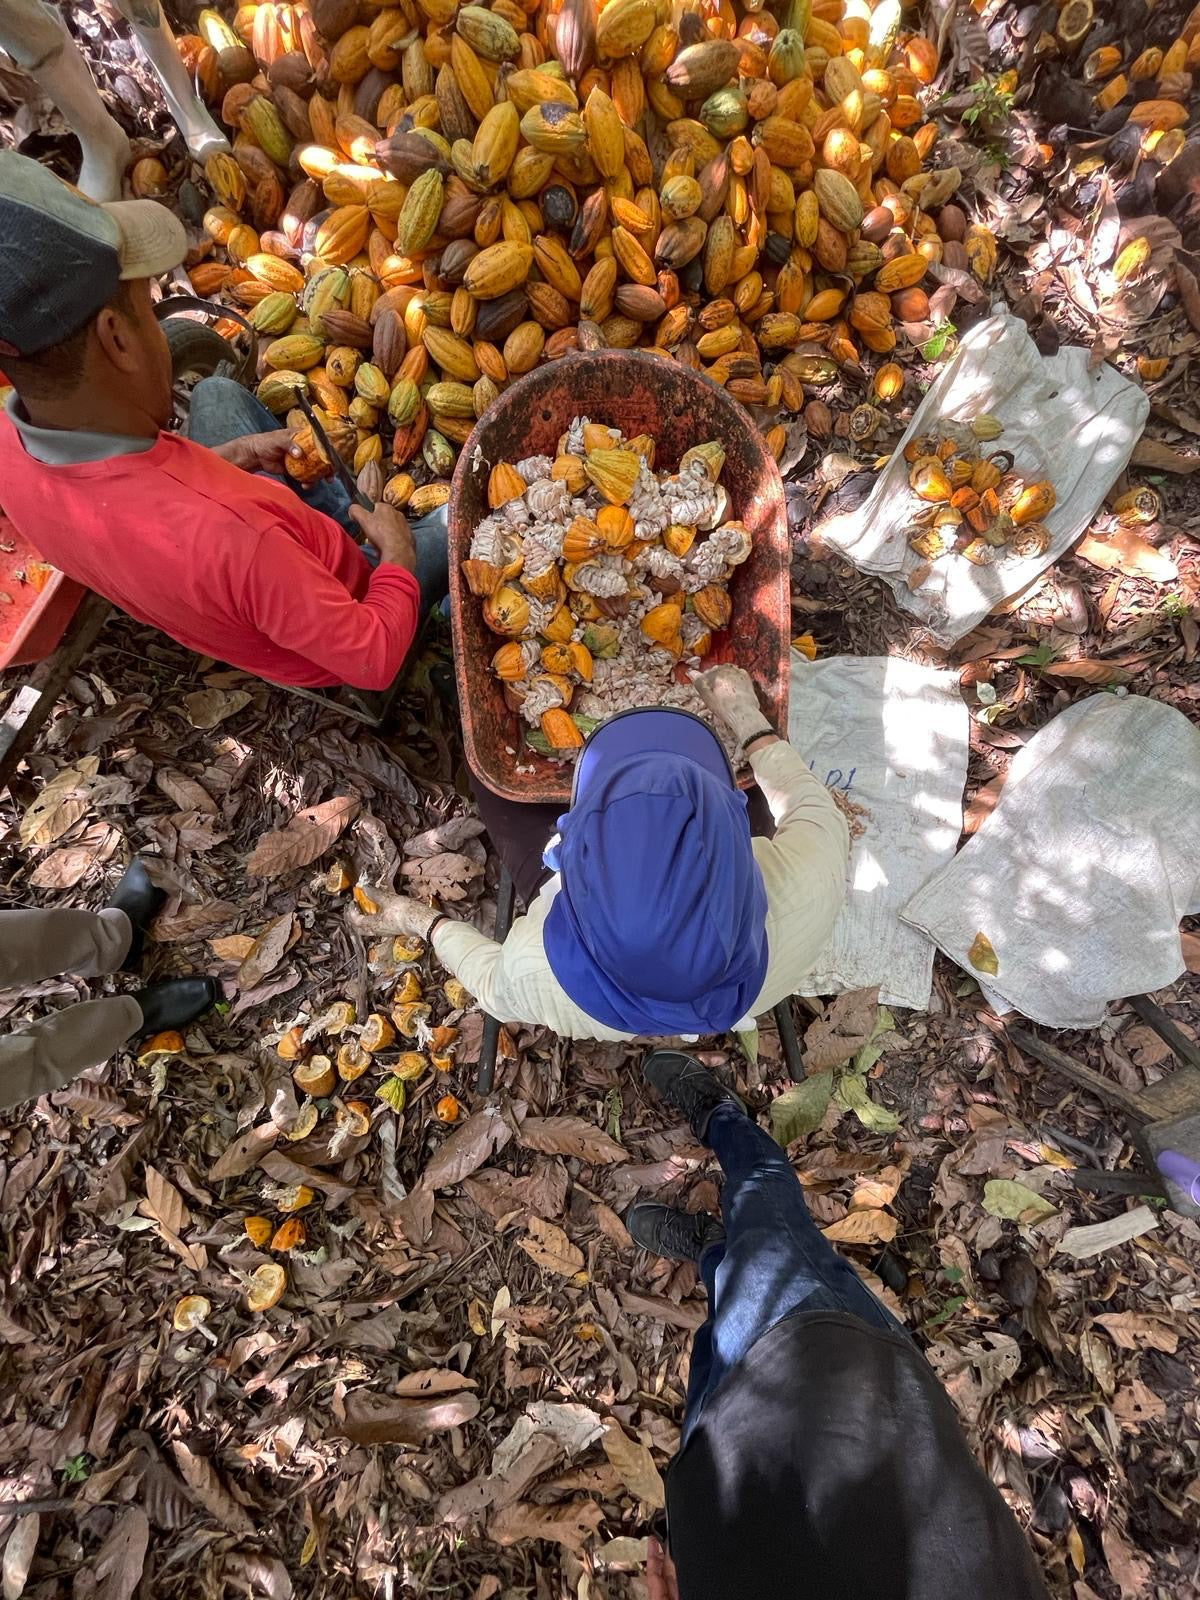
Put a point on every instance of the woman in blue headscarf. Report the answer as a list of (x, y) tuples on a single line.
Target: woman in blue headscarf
[(659, 914)]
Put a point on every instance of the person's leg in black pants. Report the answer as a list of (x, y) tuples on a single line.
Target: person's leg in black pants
[(770, 1260), (519, 834)]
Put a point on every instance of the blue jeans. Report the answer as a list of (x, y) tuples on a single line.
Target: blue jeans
[(773, 1261), (222, 411)]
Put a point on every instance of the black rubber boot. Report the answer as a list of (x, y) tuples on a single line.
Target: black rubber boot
[(688, 1086), (141, 902), (666, 1231), (175, 1003)]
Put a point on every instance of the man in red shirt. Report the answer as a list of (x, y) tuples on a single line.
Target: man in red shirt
[(193, 535)]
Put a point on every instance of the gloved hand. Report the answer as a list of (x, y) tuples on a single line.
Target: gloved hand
[(729, 693), (398, 913)]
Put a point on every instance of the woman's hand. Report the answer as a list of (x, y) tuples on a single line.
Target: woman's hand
[(661, 1579), (398, 913), (729, 693)]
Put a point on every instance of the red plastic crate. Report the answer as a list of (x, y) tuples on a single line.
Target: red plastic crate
[(35, 621)]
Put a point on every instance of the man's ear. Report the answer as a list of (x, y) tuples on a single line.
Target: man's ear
[(116, 335)]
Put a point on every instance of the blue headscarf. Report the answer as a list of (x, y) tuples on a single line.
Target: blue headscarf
[(659, 926)]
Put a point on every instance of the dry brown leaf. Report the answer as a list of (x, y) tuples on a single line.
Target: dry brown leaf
[(1130, 1572), (1190, 945), (164, 1202), (19, 1552), (382, 1419), (1126, 551), (187, 794), (611, 1226), (246, 1151), (433, 1380), (634, 1465), (60, 804), (97, 1102), (267, 951), (445, 877), (121, 1559), (208, 707), (1087, 672), (572, 1524), (285, 1170), (570, 1136), (1135, 1330), (307, 836), (234, 947), (207, 1490), (64, 868), (840, 1034), (477, 1139), (1160, 457), (1137, 1405), (876, 1191), (983, 803), (661, 1309), (865, 1226), (191, 922), (1096, 1355), (110, 1184), (549, 1248)]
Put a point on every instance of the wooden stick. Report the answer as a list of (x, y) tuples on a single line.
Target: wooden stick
[(1103, 1088), (1186, 1051)]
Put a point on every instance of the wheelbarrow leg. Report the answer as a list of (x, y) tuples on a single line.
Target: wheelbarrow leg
[(788, 1040), (505, 899)]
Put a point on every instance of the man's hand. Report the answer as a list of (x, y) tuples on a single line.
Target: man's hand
[(259, 452), (389, 532), (729, 693), (397, 913), (661, 1580)]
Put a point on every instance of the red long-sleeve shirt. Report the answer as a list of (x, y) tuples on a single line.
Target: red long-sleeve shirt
[(227, 562)]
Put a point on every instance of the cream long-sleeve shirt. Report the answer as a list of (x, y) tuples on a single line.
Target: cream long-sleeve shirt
[(804, 872)]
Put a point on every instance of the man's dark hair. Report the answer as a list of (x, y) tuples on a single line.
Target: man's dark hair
[(59, 370)]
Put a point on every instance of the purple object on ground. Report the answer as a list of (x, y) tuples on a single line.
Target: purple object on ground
[(1181, 1170)]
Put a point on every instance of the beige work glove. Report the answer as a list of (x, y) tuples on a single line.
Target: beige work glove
[(398, 913), (730, 695)]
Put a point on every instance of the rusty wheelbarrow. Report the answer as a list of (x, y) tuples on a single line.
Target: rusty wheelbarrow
[(638, 393)]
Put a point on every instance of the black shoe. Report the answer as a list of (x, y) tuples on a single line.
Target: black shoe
[(175, 1003), (666, 1231), (689, 1087), (141, 902)]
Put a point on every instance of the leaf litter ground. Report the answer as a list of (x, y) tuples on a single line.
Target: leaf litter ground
[(473, 1383)]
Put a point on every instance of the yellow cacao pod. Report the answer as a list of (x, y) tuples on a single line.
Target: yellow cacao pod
[(903, 272), (275, 313), (554, 129), (419, 215), (343, 234), (605, 133), (889, 382), (296, 352), (277, 391), (838, 200), (497, 270), (624, 26)]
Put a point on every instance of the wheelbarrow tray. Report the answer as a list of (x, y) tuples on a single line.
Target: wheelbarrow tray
[(637, 393)]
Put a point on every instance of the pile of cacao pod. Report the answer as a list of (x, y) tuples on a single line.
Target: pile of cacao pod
[(426, 199), (609, 580), (973, 505), (1157, 86)]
